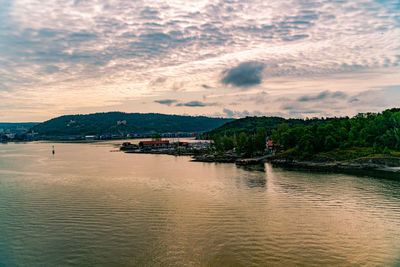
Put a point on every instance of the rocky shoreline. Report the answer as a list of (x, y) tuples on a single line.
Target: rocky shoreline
[(214, 158), (380, 167), (374, 164), (230, 159)]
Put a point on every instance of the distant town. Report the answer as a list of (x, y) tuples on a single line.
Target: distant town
[(24, 134), (17, 132)]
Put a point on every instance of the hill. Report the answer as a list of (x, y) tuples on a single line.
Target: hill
[(124, 123), (249, 125), (14, 125)]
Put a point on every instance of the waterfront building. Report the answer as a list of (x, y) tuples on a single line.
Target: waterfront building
[(153, 144)]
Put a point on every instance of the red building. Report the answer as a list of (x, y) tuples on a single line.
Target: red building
[(272, 146)]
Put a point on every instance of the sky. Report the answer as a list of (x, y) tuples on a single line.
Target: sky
[(230, 58)]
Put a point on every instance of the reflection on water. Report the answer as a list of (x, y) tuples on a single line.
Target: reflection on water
[(256, 167), (89, 206)]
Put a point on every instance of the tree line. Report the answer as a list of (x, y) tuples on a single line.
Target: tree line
[(249, 124), (379, 131), (244, 144)]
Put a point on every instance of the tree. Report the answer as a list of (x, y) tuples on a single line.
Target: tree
[(260, 139), (250, 146), (241, 143), (156, 137), (386, 151), (218, 143), (277, 134), (330, 143), (227, 143)]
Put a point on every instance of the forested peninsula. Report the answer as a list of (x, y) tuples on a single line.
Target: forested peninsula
[(365, 141)]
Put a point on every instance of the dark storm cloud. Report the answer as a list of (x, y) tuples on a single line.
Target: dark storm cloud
[(244, 75), (167, 102)]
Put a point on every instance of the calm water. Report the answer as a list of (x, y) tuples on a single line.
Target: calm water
[(88, 205)]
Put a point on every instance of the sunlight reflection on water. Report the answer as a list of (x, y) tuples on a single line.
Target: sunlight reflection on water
[(89, 206)]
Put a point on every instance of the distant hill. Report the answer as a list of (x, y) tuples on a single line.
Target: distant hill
[(17, 125), (123, 123), (249, 125)]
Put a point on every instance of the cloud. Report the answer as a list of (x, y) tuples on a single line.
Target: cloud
[(178, 85), (158, 81), (320, 96), (195, 104), (50, 69), (316, 104), (117, 49), (376, 99), (259, 98), (323, 95), (167, 102), (244, 75), (295, 37), (240, 114)]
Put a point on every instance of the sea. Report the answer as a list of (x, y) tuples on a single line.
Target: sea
[(91, 205)]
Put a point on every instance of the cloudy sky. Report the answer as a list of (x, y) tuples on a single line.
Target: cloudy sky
[(294, 58)]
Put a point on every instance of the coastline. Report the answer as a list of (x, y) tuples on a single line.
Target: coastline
[(376, 167), (382, 167), (388, 167)]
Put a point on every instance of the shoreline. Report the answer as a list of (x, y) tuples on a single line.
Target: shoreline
[(388, 164), (375, 167), (371, 166)]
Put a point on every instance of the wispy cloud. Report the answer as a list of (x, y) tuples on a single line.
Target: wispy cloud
[(321, 96), (195, 104), (240, 114), (167, 102), (111, 50)]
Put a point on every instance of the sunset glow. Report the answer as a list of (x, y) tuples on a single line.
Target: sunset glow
[(227, 59)]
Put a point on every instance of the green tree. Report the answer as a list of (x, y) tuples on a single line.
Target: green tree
[(217, 142), (330, 143), (241, 143), (227, 143), (386, 151), (260, 139), (277, 134), (250, 147), (156, 137)]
